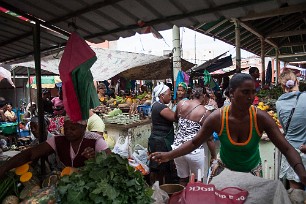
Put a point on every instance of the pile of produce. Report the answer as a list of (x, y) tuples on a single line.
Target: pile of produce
[(270, 111), (275, 118), (269, 97), (302, 86), (273, 93), (101, 109), (108, 179), (9, 189)]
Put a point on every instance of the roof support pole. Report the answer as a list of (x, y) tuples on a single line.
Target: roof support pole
[(176, 53), (263, 71), (277, 66), (41, 125), (237, 43), (29, 90)]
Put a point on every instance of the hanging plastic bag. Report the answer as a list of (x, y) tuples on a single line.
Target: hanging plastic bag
[(160, 196), (122, 147)]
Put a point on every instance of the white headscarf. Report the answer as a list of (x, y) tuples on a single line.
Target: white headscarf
[(159, 89)]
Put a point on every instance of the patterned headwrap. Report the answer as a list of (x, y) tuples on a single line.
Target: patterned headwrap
[(182, 84)]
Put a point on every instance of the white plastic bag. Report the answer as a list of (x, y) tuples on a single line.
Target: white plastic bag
[(141, 153), (160, 196), (122, 147), (139, 166)]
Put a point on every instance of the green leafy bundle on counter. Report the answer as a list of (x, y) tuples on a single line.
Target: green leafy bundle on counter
[(115, 112), (8, 185), (108, 179)]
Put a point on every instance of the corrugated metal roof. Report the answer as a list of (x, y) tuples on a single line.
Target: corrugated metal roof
[(284, 27), (99, 20)]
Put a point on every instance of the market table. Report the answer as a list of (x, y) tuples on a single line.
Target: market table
[(140, 132)]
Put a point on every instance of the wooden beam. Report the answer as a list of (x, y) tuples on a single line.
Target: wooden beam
[(286, 33), (276, 12), (259, 35), (290, 44), (303, 45), (262, 55), (233, 5), (33, 18), (224, 29), (215, 26), (290, 55)]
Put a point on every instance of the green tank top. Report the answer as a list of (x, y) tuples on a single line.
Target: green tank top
[(242, 157)]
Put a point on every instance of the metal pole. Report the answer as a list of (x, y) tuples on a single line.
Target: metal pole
[(42, 135), (277, 65), (237, 42), (15, 91), (263, 72), (16, 104), (29, 88), (176, 52)]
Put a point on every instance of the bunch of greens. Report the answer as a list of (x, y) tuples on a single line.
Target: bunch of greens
[(8, 185), (108, 179), (272, 93)]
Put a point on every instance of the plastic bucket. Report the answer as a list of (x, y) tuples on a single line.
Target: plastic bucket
[(171, 188)]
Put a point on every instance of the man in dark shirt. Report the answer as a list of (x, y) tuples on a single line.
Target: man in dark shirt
[(254, 72), (47, 104)]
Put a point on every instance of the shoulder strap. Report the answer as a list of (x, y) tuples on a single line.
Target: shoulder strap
[(291, 113), (192, 110)]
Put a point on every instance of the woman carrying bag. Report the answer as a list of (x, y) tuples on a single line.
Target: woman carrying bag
[(291, 109)]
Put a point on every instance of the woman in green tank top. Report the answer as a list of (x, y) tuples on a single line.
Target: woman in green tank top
[(239, 126)]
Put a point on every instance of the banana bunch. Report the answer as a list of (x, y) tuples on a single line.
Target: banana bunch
[(274, 116), (262, 106)]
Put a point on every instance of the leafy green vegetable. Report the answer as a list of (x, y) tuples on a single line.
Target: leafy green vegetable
[(108, 179), (8, 185)]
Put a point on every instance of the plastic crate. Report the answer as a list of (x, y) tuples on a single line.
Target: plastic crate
[(24, 133), (145, 109), (8, 128)]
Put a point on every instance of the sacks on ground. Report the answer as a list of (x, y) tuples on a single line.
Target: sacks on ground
[(261, 191)]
